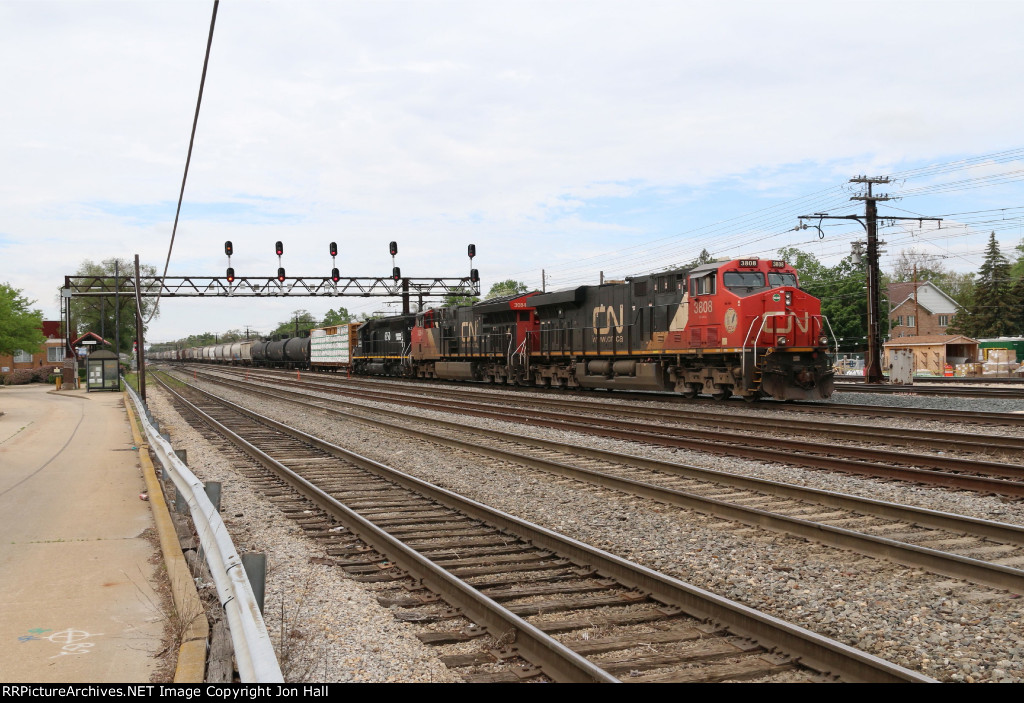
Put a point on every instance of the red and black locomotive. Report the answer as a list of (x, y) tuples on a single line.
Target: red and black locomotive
[(740, 327)]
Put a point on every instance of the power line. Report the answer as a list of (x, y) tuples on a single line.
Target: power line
[(191, 143)]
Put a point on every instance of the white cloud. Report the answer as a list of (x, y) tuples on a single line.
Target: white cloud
[(441, 123)]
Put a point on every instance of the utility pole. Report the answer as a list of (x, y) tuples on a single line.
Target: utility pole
[(917, 313), (140, 335), (873, 362)]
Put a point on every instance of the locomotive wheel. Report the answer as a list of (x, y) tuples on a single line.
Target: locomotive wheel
[(692, 389), (722, 392)]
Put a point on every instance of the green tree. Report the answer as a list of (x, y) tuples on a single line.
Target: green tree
[(336, 317), (1017, 270), (99, 314), (927, 267), (841, 289), (300, 321), (1017, 307), (509, 287), (704, 257), (21, 328), (450, 300), (992, 312)]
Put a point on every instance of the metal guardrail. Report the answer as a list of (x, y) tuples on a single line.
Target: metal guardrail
[(254, 652)]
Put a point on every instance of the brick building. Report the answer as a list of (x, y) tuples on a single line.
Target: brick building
[(928, 311), (50, 353)]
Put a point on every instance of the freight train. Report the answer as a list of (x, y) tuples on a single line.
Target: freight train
[(739, 327)]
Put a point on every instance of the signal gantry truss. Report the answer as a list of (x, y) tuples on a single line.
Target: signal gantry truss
[(253, 287)]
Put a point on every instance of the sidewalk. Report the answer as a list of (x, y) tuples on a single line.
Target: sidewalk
[(79, 560)]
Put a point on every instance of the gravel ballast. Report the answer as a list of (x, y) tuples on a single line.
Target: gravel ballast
[(944, 628)]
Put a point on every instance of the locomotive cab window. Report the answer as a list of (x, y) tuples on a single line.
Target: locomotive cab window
[(777, 279), (745, 280), (704, 285)]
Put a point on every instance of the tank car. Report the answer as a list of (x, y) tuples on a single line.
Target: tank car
[(296, 352), (258, 352)]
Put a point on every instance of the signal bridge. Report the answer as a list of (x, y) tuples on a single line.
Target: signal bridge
[(254, 286)]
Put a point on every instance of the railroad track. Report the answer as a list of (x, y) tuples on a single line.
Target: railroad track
[(929, 469), (521, 585), (982, 551), (683, 405), (918, 389)]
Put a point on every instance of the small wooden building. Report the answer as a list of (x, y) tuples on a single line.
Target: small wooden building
[(934, 352)]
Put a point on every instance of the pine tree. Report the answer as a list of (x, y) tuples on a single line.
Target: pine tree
[(1015, 300), (992, 312)]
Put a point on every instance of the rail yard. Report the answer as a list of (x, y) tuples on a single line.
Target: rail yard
[(617, 535)]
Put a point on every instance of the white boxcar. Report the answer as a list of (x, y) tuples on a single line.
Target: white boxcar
[(329, 348)]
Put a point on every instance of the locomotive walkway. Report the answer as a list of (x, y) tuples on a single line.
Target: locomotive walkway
[(79, 562)]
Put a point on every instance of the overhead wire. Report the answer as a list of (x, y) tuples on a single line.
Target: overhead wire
[(653, 252), (188, 159)]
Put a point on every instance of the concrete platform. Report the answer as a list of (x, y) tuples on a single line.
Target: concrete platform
[(79, 561)]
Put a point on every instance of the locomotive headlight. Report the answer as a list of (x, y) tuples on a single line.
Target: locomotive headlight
[(781, 341), (789, 297), (823, 340)]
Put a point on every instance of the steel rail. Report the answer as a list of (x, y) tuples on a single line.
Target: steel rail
[(811, 454), (931, 438), (557, 660), (938, 561), (816, 651), (818, 407), (689, 407), (971, 392)]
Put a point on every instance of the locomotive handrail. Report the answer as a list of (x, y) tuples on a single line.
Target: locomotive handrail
[(833, 334), (520, 350), (743, 355)]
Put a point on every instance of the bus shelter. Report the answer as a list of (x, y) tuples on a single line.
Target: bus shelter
[(102, 371)]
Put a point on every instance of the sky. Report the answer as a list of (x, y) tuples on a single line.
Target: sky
[(570, 137)]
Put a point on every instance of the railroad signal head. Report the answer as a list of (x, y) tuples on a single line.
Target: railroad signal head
[(472, 250), (279, 247), (334, 248), (396, 273), (394, 248), (231, 275), (280, 274), (335, 276), (228, 248), (474, 276)]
